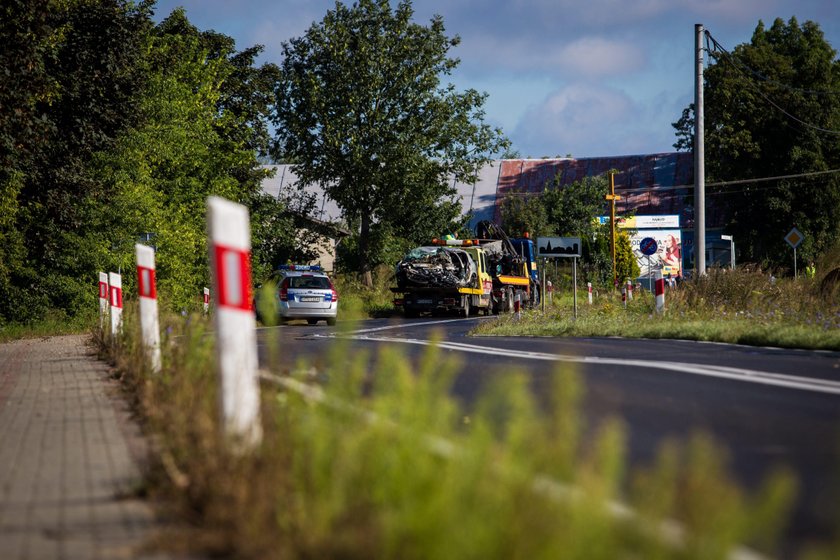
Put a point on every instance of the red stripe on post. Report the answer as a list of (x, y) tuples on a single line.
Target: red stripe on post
[(103, 290), (659, 286), (234, 276), (116, 297), (146, 282)]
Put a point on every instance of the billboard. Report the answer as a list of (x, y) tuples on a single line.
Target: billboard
[(668, 256)]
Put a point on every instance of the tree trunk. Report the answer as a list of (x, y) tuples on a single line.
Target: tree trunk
[(364, 250)]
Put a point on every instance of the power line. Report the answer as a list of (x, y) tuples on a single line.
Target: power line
[(735, 65), (758, 74), (663, 189)]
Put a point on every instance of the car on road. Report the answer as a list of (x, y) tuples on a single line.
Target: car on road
[(303, 292)]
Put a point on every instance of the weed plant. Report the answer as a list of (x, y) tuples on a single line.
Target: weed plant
[(383, 462), (357, 301), (746, 306)]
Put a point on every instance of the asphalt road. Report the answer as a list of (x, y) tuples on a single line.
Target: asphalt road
[(769, 407)]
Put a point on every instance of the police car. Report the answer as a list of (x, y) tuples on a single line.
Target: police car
[(305, 292)]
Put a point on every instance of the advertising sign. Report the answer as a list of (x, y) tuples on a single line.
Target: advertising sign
[(668, 255), (644, 222)]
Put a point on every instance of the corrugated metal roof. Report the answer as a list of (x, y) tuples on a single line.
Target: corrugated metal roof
[(650, 184)]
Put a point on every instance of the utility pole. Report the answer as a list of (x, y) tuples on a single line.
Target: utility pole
[(699, 159), (612, 197)]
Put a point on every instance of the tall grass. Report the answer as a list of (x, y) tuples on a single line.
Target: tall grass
[(745, 306), (357, 301), (386, 463)]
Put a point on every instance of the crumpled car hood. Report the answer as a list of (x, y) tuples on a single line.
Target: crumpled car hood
[(439, 267)]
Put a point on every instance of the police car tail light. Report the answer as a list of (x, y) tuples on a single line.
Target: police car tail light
[(284, 290)]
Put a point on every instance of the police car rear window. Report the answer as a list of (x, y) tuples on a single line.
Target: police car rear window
[(309, 282)]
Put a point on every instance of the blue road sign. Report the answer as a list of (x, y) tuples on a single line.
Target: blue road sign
[(648, 246)]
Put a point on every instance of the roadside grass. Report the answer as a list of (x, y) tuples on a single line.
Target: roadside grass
[(743, 307), (388, 464), (357, 301), (53, 324)]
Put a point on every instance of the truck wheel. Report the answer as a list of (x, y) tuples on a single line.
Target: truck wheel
[(465, 311)]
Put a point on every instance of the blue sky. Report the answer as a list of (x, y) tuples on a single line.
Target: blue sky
[(593, 78)]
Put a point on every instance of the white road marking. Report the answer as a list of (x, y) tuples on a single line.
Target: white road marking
[(737, 374)]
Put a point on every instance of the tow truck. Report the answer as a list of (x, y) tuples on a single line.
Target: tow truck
[(470, 276)]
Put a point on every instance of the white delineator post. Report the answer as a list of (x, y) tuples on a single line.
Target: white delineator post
[(589, 292), (115, 298), (517, 304), (229, 242), (206, 300), (629, 290), (624, 296), (147, 292), (103, 299), (659, 291)]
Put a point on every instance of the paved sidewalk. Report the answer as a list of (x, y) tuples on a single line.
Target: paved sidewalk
[(69, 457)]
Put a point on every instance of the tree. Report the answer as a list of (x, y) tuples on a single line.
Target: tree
[(72, 73), (522, 214), (203, 113), (573, 209), (626, 265), (772, 109), (361, 111)]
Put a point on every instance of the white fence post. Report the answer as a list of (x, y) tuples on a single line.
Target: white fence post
[(147, 292), (659, 284), (517, 304), (103, 299), (115, 297), (206, 300), (229, 242)]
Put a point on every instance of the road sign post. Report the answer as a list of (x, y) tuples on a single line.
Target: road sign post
[(731, 249), (648, 247), (794, 238), (236, 344), (103, 300), (659, 291), (555, 247), (116, 303), (147, 294)]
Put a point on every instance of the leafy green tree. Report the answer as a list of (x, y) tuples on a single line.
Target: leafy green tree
[(200, 137), (362, 112), (526, 213), (772, 109), (626, 265), (574, 209), (74, 70)]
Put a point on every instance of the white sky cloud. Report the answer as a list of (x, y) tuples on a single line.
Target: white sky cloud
[(603, 77)]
